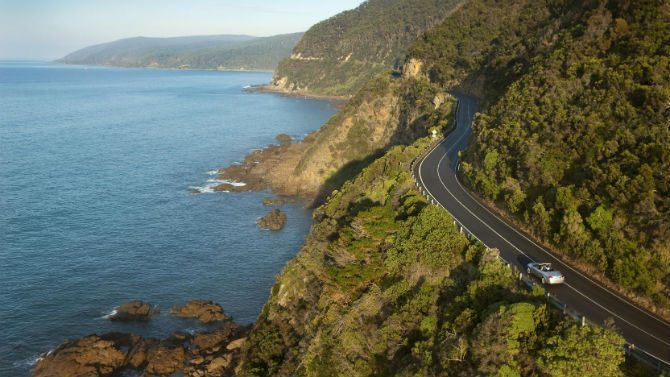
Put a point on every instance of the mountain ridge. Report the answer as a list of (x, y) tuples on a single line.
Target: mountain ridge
[(226, 51)]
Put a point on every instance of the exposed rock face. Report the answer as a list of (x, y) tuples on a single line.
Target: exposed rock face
[(202, 310), (134, 311), (165, 359), (274, 220), (88, 356), (213, 354)]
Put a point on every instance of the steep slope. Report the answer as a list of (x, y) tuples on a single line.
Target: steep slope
[(386, 285), (388, 111), (578, 149), (338, 56), (201, 52)]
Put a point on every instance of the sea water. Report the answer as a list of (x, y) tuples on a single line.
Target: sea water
[(98, 169)]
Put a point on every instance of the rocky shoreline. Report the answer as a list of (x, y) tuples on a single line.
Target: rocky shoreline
[(209, 353), (336, 101), (271, 168)]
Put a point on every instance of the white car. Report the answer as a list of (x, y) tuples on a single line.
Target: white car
[(546, 273)]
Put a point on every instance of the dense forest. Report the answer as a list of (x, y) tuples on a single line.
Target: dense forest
[(573, 142), (578, 147), (237, 52), (339, 55), (386, 285)]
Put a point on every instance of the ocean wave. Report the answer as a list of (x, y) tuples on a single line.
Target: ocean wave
[(31, 361), (110, 314), (213, 172), (206, 189), (246, 87), (226, 182)]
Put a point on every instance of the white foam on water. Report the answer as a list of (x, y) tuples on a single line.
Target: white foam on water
[(207, 189), (246, 87), (212, 183), (226, 182), (110, 314), (31, 361)]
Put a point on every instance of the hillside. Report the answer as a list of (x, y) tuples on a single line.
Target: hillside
[(386, 286), (338, 56), (577, 149), (572, 141), (200, 52), (387, 111)]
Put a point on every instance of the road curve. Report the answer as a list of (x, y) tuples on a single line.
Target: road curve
[(436, 173)]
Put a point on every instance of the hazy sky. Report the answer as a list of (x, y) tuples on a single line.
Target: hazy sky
[(49, 29)]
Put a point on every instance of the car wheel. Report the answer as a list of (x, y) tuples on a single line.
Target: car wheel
[(544, 280)]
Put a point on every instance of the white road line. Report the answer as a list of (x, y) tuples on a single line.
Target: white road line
[(665, 323), (510, 243), (526, 255), (562, 262)]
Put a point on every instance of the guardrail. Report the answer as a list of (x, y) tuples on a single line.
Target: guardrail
[(630, 349)]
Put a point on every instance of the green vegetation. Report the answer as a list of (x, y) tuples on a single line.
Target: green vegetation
[(339, 55), (206, 52), (387, 111), (386, 285), (578, 147)]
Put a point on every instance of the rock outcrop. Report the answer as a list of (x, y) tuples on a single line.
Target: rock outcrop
[(274, 220), (202, 310), (91, 355), (210, 354), (284, 138), (135, 310)]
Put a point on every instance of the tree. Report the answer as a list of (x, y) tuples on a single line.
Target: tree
[(585, 351)]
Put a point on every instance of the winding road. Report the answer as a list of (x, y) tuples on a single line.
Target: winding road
[(437, 173)]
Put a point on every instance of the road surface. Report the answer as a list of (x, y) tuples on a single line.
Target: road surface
[(436, 172)]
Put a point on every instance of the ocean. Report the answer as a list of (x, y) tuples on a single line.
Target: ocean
[(98, 169)]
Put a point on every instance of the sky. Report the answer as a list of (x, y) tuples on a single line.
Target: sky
[(50, 29)]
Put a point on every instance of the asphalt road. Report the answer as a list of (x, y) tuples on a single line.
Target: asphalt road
[(436, 172)]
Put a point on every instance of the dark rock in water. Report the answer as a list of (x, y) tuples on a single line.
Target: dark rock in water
[(284, 138), (91, 355), (214, 353), (274, 220), (275, 201), (134, 311), (202, 310)]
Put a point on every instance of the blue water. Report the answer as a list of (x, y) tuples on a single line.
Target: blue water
[(96, 206)]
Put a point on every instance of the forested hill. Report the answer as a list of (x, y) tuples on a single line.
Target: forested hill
[(199, 52), (575, 141), (337, 56)]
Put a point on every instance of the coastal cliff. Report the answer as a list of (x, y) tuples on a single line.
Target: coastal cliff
[(386, 285), (389, 110), (338, 56)]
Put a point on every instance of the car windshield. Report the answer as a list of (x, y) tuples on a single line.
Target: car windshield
[(546, 267)]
